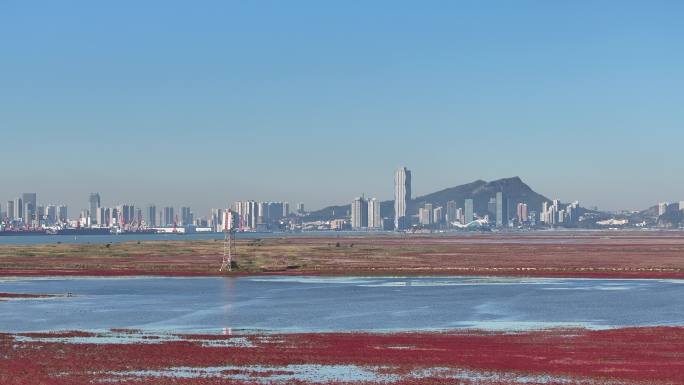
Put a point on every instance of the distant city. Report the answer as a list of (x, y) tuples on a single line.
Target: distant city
[(503, 210)]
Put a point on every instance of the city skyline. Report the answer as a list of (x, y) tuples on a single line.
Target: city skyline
[(579, 99), (93, 199)]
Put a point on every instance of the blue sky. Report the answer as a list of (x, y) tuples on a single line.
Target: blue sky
[(202, 103)]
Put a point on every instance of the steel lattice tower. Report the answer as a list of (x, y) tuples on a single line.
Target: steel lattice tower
[(228, 250)]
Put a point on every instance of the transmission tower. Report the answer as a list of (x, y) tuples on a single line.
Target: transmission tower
[(228, 250)]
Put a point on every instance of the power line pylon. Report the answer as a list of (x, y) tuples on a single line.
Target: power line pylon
[(228, 250)]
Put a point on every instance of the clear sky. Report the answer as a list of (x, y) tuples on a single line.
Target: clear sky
[(204, 102)]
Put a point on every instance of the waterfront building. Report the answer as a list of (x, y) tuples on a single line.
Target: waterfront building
[(451, 212), (10, 210), (29, 213), (359, 213), (662, 208), (337, 224), (51, 214), (186, 216), (18, 209), (374, 219), (459, 215), (469, 214), (151, 219), (138, 218), (425, 215), (216, 219), (100, 217), (62, 214), (501, 210), (438, 215), (169, 219), (126, 214), (94, 200), (402, 196), (522, 213), (491, 207)]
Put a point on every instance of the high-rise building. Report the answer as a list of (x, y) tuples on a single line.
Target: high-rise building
[(101, 217), (126, 214), (451, 213), (10, 210), (522, 213), (51, 214), (501, 210), (262, 216), (217, 220), (359, 213), (18, 209), (469, 214), (94, 200), (491, 209), (286, 209), (151, 218), (402, 197), (374, 218), (186, 216), (300, 208), (169, 219), (438, 215), (32, 201), (662, 208), (62, 214), (229, 220), (425, 215)]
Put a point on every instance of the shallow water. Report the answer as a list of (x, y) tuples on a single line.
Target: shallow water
[(299, 304)]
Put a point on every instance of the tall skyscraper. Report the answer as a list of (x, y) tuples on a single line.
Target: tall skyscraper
[(662, 208), (469, 214), (451, 213), (168, 216), (18, 209), (438, 215), (62, 214), (523, 216), (10, 210), (30, 203), (126, 214), (94, 200), (186, 216), (359, 213), (51, 214), (501, 210), (402, 196), (151, 215), (374, 218)]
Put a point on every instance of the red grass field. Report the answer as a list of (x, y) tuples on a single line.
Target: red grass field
[(576, 356), (601, 254)]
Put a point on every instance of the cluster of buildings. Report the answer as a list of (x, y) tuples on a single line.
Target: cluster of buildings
[(253, 216), (25, 213), (665, 208), (555, 215), (365, 213)]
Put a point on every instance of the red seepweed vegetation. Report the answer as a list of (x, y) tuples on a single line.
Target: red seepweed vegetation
[(652, 355)]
